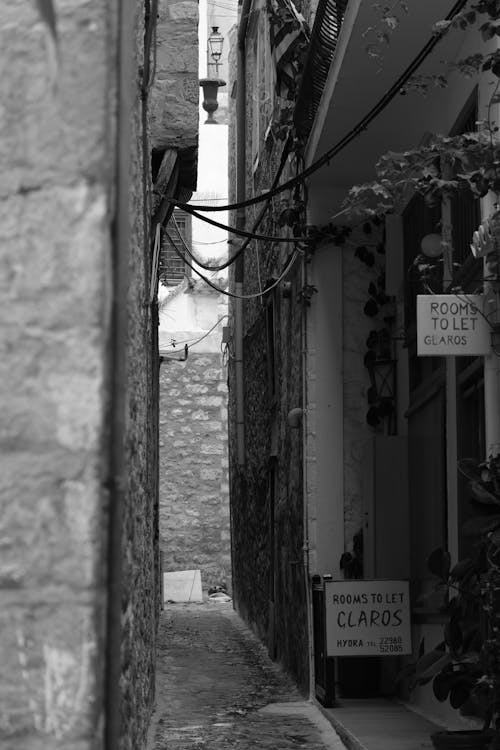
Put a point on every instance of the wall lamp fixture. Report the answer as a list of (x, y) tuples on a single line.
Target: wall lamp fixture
[(210, 85)]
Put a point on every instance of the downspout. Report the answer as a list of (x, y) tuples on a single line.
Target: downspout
[(305, 494), (240, 224), (117, 382)]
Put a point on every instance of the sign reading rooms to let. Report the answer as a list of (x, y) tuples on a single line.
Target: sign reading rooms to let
[(367, 618), (449, 324)]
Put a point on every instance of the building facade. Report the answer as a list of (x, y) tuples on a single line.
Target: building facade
[(80, 553), (344, 443)]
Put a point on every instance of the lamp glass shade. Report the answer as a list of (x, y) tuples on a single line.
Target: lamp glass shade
[(215, 43), (432, 245)]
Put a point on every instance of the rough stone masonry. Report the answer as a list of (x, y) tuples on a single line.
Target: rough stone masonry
[(194, 508), (61, 194)]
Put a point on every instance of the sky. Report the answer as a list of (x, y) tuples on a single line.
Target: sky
[(212, 156)]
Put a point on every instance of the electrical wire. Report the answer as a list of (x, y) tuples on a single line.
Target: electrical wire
[(242, 232), (193, 342), (288, 265), (256, 224), (219, 266), (351, 135), (208, 198), (214, 242)]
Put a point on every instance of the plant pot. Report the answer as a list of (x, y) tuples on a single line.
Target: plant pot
[(462, 740)]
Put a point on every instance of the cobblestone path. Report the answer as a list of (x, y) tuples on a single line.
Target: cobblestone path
[(217, 689)]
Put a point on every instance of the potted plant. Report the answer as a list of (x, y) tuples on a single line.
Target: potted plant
[(464, 668)]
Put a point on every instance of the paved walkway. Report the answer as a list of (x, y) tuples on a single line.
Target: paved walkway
[(218, 690), (380, 724)]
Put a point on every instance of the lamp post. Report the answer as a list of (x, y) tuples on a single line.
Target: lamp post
[(210, 85), (215, 44)]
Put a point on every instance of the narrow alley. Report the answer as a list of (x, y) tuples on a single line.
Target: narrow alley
[(217, 688), (250, 375)]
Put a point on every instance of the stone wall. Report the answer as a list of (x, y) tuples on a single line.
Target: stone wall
[(176, 90), (55, 281), (140, 553), (194, 507), (266, 493), (60, 212)]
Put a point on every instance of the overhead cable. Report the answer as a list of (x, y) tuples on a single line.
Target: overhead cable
[(257, 222), (288, 265), (351, 135), (217, 266), (242, 232), (193, 342)]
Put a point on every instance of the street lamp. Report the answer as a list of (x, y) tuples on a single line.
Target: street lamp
[(210, 85), (215, 44)]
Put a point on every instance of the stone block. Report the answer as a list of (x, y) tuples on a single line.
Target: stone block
[(209, 473), (200, 415), (48, 664), (183, 9), (174, 112), (213, 449), (207, 401), (48, 137)]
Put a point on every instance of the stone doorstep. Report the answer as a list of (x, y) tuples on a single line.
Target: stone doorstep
[(379, 725)]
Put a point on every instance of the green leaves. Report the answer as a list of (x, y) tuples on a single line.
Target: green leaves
[(439, 562), (430, 664), (462, 570), (483, 495), (480, 526), (470, 468)]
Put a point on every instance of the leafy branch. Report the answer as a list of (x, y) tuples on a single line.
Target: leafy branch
[(470, 161)]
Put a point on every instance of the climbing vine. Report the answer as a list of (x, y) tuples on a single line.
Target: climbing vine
[(444, 164)]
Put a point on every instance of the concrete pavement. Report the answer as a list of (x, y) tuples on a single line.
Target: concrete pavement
[(217, 689)]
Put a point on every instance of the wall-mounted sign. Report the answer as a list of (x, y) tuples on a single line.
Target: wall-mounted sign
[(451, 324), (367, 618)]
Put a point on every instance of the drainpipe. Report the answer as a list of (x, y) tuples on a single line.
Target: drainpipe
[(240, 224), (117, 385), (305, 494)]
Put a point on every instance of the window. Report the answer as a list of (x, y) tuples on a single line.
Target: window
[(470, 435), (426, 414), (465, 209), (427, 479), (430, 453), (465, 219), (172, 267), (419, 219)]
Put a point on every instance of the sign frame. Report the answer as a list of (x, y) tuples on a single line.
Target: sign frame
[(367, 617), (452, 325)]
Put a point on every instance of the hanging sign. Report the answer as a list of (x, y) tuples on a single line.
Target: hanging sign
[(452, 324), (367, 618)]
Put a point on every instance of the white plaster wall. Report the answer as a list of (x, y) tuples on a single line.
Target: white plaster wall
[(189, 314), (188, 317), (325, 473)]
